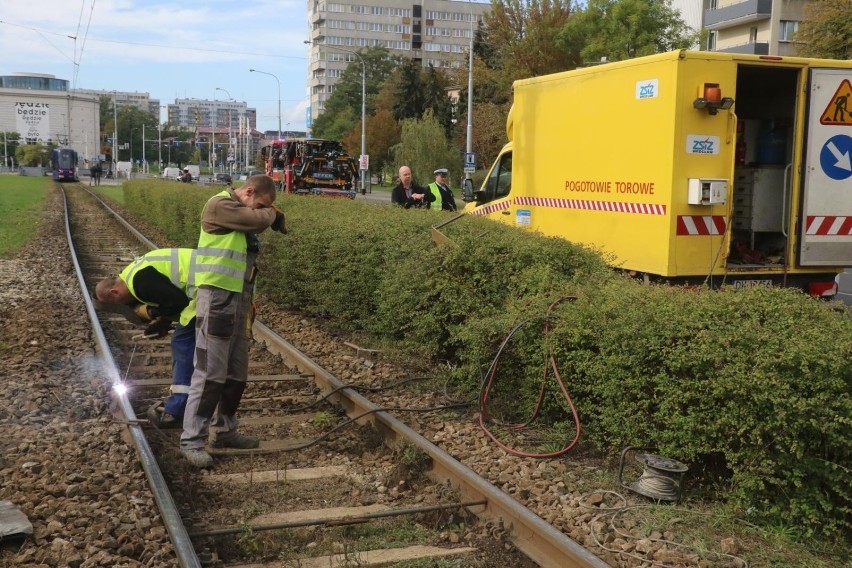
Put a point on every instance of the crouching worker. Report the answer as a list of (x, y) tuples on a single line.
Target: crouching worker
[(157, 289), (227, 249)]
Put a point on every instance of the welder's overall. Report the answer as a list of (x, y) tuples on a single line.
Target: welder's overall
[(221, 364)]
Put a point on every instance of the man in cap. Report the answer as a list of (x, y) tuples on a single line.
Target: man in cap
[(443, 194), (186, 176)]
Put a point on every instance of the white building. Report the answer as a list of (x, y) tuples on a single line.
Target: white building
[(42, 109), (142, 101), (203, 113), (432, 32)]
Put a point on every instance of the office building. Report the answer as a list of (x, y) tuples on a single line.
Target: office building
[(432, 32), (43, 109)]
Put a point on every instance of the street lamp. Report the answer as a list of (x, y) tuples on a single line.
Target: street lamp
[(160, 140), (114, 163), (468, 182), (363, 111), (230, 98), (279, 96)]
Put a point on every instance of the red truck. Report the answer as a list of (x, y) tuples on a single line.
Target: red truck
[(311, 166)]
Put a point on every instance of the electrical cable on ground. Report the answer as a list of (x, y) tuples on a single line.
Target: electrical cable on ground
[(549, 364), (614, 512)]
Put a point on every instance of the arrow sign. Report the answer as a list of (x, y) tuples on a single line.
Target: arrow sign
[(835, 158)]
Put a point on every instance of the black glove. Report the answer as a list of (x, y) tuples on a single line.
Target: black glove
[(160, 327), (278, 224)]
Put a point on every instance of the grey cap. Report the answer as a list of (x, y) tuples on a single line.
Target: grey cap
[(444, 171)]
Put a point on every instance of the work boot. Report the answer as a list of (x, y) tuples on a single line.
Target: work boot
[(236, 440), (162, 419), (197, 457)]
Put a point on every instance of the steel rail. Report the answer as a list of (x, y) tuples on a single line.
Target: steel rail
[(171, 518), (540, 541)]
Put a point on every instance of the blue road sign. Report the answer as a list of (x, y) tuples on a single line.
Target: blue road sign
[(835, 158), (470, 159)]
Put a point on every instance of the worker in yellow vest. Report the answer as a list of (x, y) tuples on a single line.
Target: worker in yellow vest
[(444, 200)]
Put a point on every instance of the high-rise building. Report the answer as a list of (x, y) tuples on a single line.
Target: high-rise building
[(759, 27), (195, 113), (432, 32)]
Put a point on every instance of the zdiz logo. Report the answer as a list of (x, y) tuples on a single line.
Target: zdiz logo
[(646, 90), (702, 146)]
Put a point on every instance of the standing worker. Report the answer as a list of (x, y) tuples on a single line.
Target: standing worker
[(407, 193), (227, 249), (159, 287), (444, 199)]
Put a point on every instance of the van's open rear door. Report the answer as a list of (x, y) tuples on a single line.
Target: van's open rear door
[(826, 221)]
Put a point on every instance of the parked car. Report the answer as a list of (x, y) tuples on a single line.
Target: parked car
[(223, 178)]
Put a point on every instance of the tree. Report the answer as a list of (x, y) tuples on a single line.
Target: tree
[(436, 98), (622, 29), (523, 33), (826, 30), (11, 141), (409, 92), (344, 104), (32, 155), (423, 147), (382, 133)]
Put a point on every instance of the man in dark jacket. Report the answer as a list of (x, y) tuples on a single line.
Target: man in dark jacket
[(408, 194)]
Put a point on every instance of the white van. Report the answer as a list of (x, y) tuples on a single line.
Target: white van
[(194, 170), (170, 173)]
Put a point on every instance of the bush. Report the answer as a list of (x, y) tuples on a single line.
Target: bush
[(751, 388)]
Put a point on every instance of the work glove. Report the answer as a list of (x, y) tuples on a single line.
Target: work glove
[(159, 328), (143, 312), (279, 224)]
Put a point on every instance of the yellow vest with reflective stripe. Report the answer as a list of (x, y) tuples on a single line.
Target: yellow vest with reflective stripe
[(222, 259), (438, 203), (177, 264)]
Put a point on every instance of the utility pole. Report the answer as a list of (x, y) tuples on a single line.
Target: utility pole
[(469, 145), (114, 164)]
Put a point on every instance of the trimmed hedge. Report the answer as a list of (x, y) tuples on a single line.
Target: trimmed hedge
[(751, 388)]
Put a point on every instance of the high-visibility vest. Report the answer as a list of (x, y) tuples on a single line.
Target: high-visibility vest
[(438, 203), (177, 264), (222, 259)]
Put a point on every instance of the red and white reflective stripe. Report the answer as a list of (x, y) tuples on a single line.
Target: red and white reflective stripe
[(491, 208), (701, 225), (828, 225), (588, 204)]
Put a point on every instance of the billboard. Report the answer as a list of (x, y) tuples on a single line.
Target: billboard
[(33, 120)]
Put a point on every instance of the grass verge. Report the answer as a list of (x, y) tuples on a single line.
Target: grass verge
[(21, 205)]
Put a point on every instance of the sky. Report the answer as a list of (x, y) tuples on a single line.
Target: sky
[(169, 49)]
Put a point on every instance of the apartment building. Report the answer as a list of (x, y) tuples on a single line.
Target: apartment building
[(759, 27), (195, 113), (431, 32), (142, 101)]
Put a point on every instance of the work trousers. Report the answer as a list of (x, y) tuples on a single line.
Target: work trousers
[(221, 364), (183, 353)]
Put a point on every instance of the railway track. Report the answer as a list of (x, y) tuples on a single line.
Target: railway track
[(336, 480)]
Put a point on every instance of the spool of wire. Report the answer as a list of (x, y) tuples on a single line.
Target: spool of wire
[(661, 478)]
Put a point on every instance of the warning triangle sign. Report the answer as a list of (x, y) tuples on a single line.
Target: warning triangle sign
[(839, 109)]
